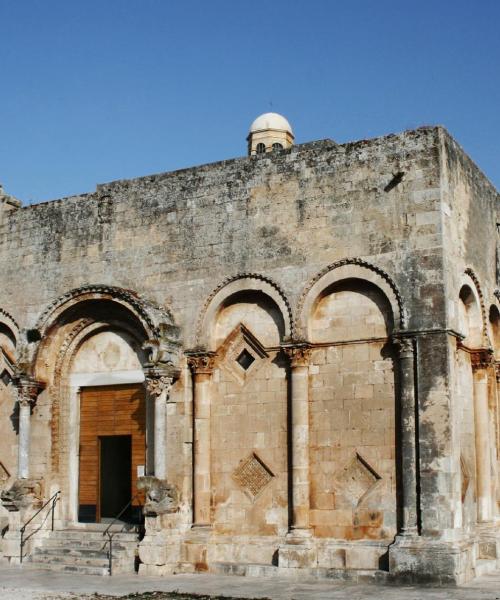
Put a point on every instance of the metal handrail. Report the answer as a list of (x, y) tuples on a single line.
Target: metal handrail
[(110, 533), (54, 498)]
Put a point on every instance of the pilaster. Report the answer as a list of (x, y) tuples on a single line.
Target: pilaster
[(201, 365)]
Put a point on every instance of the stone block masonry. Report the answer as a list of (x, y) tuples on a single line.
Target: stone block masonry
[(317, 329)]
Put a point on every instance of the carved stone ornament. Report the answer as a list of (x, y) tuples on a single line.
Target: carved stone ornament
[(405, 346), (151, 315), (298, 354), (161, 497), (158, 385), (164, 350), (201, 362), (252, 475), (22, 494), (26, 390), (482, 359), (497, 371), (241, 354)]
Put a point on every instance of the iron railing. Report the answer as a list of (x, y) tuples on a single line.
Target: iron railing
[(53, 501), (110, 533)]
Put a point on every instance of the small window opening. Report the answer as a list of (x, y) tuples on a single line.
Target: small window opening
[(260, 148), (277, 146), (245, 359)]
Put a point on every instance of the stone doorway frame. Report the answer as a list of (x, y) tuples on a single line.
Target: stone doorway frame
[(78, 381)]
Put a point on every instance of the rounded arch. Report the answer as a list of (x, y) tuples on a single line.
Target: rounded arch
[(9, 337), (9, 325), (82, 309), (146, 312), (472, 319), (81, 332), (231, 288), (348, 269), (494, 326)]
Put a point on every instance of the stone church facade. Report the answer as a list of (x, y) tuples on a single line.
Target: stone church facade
[(288, 362)]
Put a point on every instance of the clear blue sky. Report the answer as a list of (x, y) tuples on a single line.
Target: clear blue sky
[(97, 90)]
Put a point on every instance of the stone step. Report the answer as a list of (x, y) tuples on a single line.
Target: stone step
[(64, 568), (85, 552), (75, 534), (70, 552), (63, 545), (269, 571), (77, 561)]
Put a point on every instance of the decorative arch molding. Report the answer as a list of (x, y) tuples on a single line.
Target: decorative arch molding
[(349, 268), (151, 322), (240, 283), (150, 315), (11, 323), (471, 279)]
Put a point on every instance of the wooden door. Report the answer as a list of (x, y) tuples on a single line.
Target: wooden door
[(109, 411)]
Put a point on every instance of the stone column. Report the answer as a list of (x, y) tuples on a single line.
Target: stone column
[(481, 362), (299, 356), (158, 386), (496, 441), (409, 466), (201, 365), (26, 390)]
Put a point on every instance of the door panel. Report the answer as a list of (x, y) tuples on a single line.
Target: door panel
[(109, 411)]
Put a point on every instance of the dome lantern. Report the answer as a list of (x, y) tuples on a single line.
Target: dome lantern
[(269, 132)]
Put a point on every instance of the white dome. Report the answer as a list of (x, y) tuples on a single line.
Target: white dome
[(270, 120)]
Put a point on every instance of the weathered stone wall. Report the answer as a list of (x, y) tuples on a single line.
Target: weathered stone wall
[(173, 237), (470, 216), (408, 209), (353, 408), (249, 422)]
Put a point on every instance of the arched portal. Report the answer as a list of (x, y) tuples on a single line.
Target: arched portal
[(90, 356)]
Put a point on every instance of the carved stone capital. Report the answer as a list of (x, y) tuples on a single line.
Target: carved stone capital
[(405, 346), (26, 390), (158, 385), (481, 359), (160, 380), (299, 355), (201, 362)]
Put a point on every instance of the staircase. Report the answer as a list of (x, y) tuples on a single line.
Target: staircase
[(85, 552)]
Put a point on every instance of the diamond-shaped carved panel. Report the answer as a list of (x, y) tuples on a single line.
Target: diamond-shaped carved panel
[(241, 354), (252, 475), (354, 481)]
